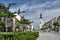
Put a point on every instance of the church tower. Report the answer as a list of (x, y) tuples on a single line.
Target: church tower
[(41, 21)]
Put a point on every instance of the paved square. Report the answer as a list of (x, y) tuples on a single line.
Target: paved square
[(49, 36)]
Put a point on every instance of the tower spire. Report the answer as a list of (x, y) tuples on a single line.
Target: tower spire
[(41, 21), (40, 15)]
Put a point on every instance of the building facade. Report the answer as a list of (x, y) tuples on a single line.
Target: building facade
[(51, 22)]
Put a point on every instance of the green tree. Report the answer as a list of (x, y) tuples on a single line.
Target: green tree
[(49, 26), (4, 12), (56, 24), (16, 12), (2, 24), (9, 14), (25, 22)]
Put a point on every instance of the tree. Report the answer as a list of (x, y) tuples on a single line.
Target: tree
[(9, 14), (10, 4), (24, 23), (18, 12), (4, 12), (2, 24), (56, 24), (49, 26)]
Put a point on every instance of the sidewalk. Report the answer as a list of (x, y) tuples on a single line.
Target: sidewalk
[(49, 36)]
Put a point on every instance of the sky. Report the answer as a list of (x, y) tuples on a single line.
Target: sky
[(33, 8)]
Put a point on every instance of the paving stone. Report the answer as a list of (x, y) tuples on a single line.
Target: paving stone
[(49, 36)]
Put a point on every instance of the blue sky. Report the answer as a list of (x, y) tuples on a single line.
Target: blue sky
[(33, 8)]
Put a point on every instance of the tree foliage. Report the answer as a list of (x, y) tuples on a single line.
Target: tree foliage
[(4, 11), (25, 21), (56, 24), (2, 23), (49, 26)]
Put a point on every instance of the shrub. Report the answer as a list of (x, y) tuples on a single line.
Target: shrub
[(21, 35)]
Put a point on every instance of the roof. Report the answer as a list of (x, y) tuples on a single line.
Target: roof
[(58, 17), (18, 17), (50, 20)]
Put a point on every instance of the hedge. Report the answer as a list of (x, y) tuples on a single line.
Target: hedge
[(20, 35)]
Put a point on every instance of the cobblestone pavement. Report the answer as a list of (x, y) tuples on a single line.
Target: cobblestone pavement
[(49, 36)]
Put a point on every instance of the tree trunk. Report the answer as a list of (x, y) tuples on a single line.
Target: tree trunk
[(2, 19), (13, 24), (6, 23)]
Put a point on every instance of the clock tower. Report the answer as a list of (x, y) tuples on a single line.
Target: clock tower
[(41, 21)]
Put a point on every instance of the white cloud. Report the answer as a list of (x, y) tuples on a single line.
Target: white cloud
[(48, 9)]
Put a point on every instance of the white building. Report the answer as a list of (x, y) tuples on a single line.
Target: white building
[(29, 27), (50, 22), (41, 21)]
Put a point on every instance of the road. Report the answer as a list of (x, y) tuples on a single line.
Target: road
[(49, 36)]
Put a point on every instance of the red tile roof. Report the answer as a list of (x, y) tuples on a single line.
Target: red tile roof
[(50, 21), (58, 17)]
